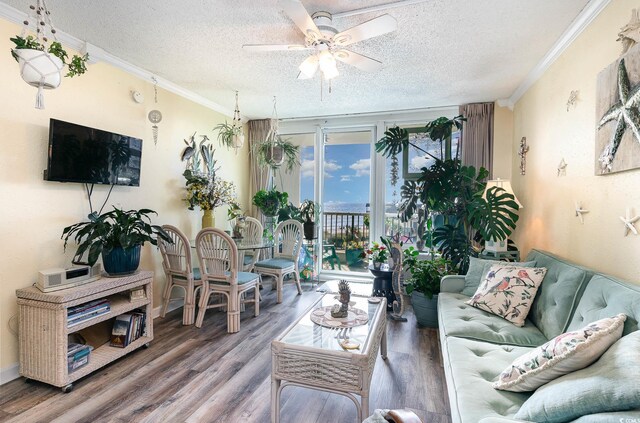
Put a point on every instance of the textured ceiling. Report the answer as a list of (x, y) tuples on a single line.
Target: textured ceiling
[(445, 52)]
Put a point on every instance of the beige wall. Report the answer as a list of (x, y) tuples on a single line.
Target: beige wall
[(34, 212), (502, 142), (547, 220)]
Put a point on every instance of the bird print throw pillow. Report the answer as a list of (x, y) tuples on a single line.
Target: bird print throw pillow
[(508, 291), (562, 355)]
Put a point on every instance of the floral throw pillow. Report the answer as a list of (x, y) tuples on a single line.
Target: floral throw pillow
[(564, 354), (508, 291)]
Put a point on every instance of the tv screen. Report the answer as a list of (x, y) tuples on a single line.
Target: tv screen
[(81, 154)]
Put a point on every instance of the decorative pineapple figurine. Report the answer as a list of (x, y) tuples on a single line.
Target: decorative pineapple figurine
[(341, 310)]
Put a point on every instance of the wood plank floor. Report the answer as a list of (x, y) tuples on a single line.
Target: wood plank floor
[(207, 375)]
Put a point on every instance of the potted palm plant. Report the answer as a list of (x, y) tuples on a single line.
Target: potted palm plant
[(424, 284), (117, 235), (310, 213)]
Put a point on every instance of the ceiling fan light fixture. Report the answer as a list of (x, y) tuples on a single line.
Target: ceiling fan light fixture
[(327, 64), (309, 67), (329, 70)]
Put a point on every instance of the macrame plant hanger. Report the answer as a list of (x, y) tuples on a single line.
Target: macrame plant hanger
[(45, 65), (238, 138)]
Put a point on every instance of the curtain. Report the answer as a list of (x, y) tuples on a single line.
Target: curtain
[(477, 136), (259, 176)]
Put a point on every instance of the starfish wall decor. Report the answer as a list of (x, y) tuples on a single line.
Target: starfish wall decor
[(625, 113), (580, 212), (629, 222), (629, 34), (562, 168)]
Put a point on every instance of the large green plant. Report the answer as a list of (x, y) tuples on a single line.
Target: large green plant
[(117, 228), (456, 192), (425, 274), (269, 202)]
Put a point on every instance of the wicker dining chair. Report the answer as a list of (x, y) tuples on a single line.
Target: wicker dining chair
[(218, 257), (176, 262), (288, 235), (252, 234)]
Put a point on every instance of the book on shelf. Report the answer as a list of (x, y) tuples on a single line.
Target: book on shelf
[(127, 328), (84, 312)]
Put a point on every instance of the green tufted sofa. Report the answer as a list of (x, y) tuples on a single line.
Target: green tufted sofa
[(477, 346)]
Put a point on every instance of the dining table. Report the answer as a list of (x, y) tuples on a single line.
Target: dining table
[(244, 245)]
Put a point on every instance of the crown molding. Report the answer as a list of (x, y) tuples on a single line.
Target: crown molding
[(579, 24), (97, 54)]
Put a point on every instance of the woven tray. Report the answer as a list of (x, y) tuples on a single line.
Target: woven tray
[(322, 316)]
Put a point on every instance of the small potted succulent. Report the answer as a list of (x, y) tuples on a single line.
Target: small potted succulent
[(310, 213), (117, 235)]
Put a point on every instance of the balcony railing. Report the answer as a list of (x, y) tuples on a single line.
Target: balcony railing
[(340, 228)]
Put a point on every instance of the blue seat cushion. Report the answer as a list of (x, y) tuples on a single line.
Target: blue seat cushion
[(275, 263), (243, 278), (247, 260), (196, 274)]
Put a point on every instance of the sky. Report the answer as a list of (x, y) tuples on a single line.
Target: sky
[(346, 173)]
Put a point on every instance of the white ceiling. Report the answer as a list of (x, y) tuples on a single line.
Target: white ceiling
[(445, 52)]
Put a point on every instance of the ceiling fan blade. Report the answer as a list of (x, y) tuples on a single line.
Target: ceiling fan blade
[(373, 28), (299, 15), (359, 61), (273, 47)]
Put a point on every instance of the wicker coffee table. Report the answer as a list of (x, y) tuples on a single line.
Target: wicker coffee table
[(310, 356)]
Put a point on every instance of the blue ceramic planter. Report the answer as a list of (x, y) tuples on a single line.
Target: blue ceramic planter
[(119, 262)]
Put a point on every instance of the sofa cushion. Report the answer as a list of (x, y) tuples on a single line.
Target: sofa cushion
[(508, 291), (562, 287), (606, 296), (459, 319), (478, 269), (471, 368), (610, 384), (564, 354)]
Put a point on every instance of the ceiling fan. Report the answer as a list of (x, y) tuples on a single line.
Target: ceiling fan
[(327, 44)]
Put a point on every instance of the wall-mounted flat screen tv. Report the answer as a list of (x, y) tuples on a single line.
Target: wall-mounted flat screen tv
[(87, 155)]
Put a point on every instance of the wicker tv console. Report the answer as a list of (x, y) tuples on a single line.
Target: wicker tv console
[(43, 331)]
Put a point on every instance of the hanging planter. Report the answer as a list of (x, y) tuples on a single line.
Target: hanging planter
[(39, 68), (41, 63), (231, 136), (273, 152)]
